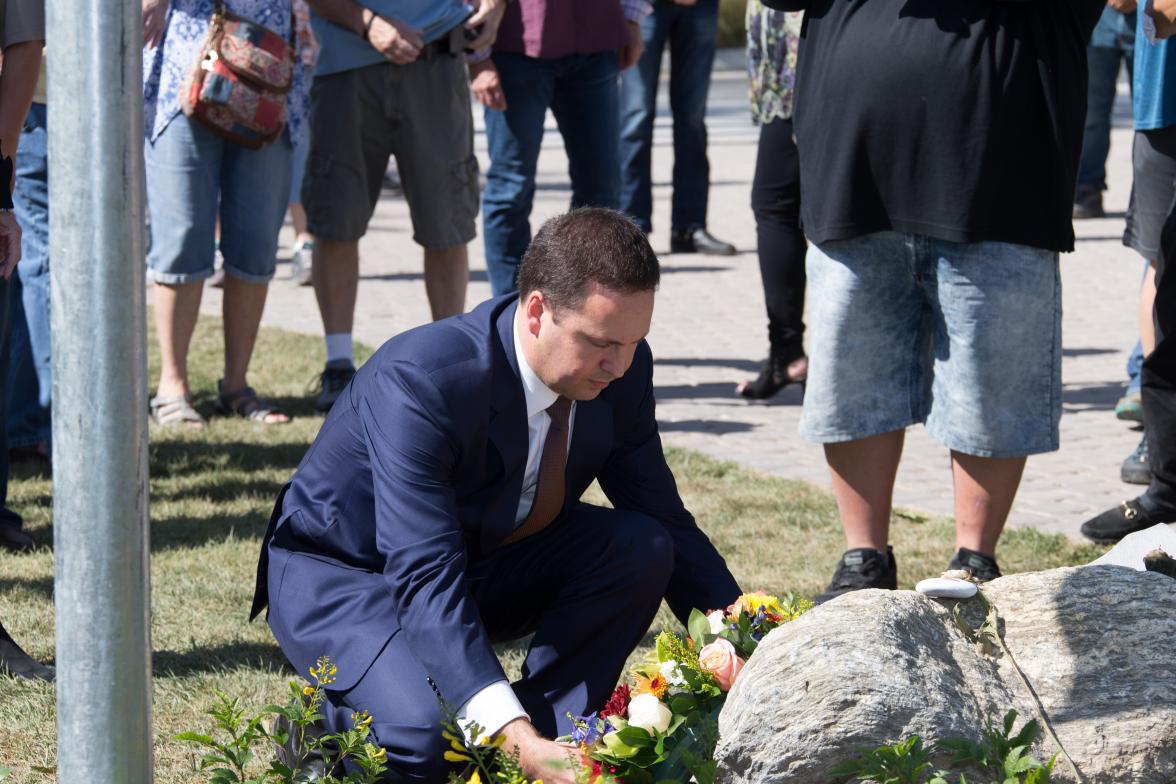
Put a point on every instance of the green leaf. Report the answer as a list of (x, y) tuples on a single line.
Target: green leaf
[(699, 628), (635, 737), (195, 737)]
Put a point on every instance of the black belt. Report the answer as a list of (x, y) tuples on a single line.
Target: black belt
[(452, 43)]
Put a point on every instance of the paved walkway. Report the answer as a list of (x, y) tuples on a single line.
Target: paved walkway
[(709, 327)]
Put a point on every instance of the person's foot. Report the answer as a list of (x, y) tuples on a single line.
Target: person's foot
[(1126, 518), (1088, 204), (1136, 470), (859, 569), (335, 378), (17, 663), (1130, 408), (775, 374), (699, 241), (983, 567), (300, 260), (15, 540)]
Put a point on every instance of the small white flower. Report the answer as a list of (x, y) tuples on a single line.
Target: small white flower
[(717, 622), (672, 673), (649, 713)]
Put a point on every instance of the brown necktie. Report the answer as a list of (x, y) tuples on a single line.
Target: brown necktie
[(549, 489)]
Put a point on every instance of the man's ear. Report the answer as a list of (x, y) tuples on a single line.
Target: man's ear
[(534, 306)]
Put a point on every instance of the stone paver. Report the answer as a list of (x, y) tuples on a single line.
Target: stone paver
[(709, 327)]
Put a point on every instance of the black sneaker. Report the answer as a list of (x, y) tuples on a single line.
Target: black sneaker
[(334, 379), (983, 567), (699, 240), (859, 569), (1126, 518), (1088, 204), (1135, 469)]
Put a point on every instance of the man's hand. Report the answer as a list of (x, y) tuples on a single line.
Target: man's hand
[(399, 43), (154, 22), (9, 244), (1163, 13), (540, 758), (487, 17), (1123, 6), (631, 52), (487, 86)]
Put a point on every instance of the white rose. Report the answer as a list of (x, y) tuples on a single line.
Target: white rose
[(717, 622), (649, 713)]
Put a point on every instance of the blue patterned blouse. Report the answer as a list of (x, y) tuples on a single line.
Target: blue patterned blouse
[(166, 66)]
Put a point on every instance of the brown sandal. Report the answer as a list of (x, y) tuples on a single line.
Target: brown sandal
[(247, 404)]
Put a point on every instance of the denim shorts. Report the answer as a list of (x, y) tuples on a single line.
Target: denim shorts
[(194, 176), (963, 337)]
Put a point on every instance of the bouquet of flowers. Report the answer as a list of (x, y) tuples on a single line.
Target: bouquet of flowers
[(663, 727)]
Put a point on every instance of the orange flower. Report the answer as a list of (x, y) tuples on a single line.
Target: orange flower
[(656, 685)]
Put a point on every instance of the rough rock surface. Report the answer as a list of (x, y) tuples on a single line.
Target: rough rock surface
[(1097, 643)]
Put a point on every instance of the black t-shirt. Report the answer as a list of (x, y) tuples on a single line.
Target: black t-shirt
[(958, 119)]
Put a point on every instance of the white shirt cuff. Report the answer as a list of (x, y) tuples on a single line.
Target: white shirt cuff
[(491, 709)]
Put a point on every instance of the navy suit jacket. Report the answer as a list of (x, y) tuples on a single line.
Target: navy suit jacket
[(417, 473)]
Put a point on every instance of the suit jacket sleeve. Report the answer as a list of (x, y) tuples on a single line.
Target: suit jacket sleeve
[(418, 533), (636, 477)]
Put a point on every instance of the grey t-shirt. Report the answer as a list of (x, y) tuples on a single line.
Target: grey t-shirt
[(20, 21)]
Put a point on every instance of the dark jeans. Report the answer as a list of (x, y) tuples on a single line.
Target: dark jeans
[(7, 516), (690, 32), (1159, 382), (581, 92), (1113, 42), (588, 587), (30, 379), (775, 200)]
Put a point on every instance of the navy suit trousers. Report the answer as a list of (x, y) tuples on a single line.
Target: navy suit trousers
[(588, 587)]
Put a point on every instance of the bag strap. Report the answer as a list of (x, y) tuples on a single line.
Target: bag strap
[(219, 9)]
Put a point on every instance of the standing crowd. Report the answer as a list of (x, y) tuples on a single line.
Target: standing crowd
[(917, 172)]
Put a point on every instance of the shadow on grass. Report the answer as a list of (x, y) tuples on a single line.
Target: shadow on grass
[(179, 458), (184, 532), (42, 586), (221, 658)]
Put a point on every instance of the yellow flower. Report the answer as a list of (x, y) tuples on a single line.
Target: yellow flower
[(475, 779), (752, 602), (308, 690)]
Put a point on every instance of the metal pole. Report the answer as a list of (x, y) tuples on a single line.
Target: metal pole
[(99, 329)]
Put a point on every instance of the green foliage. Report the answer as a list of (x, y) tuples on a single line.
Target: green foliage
[(1001, 756), (230, 757)]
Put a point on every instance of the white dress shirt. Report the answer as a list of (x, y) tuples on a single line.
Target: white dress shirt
[(493, 707)]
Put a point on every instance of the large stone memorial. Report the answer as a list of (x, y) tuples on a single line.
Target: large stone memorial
[(1097, 644)]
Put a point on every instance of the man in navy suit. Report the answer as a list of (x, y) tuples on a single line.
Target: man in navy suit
[(438, 512)]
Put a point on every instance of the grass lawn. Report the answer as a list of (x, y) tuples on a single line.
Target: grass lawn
[(211, 494)]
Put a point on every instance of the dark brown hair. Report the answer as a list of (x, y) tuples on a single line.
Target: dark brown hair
[(585, 246)]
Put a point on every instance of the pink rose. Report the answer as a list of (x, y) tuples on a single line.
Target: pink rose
[(720, 660)]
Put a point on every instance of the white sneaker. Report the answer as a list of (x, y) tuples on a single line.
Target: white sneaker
[(300, 261)]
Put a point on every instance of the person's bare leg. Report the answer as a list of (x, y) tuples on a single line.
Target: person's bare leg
[(335, 272), (176, 309), (447, 271), (298, 218), (863, 474), (984, 491), (1147, 301), (242, 308)]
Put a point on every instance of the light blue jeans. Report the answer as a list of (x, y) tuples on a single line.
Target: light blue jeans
[(963, 337), (194, 177)]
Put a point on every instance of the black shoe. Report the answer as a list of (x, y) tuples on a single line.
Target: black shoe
[(1135, 469), (17, 663), (295, 752), (1088, 204), (15, 540), (983, 567), (699, 241), (859, 569), (334, 379), (1126, 518), (773, 377)]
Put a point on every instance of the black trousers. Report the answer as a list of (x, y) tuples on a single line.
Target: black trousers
[(775, 200), (1159, 382)]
